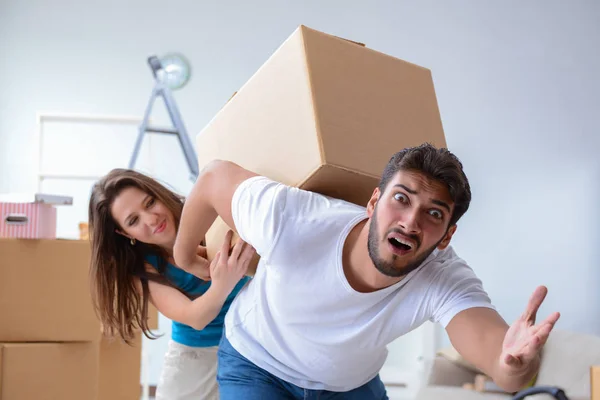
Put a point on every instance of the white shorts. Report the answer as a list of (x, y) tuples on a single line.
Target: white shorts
[(188, 373)]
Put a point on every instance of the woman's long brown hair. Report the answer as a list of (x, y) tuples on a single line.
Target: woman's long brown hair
[(116, 263)]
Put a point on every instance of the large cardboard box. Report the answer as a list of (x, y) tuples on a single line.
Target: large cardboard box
[(45, 291), (65, 371), (120, 365), (324, 114)]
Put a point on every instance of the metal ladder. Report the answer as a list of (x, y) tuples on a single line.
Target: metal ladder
[(178, 129)]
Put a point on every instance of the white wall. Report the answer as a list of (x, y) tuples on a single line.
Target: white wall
[(516, 82)]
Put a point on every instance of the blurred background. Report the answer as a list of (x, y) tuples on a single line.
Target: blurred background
[(516, 82)]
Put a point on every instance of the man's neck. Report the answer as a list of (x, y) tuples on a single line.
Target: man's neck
[(361, 273)]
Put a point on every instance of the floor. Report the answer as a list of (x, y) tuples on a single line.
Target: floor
[(393, 394)]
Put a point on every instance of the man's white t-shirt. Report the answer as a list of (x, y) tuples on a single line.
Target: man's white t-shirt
[(299, 318)]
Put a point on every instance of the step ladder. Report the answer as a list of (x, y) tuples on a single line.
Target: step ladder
[(177, 128)]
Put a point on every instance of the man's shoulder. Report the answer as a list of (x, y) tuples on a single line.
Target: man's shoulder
[(294, 194), (448, 256), (444, 263), (256, 182), (261, 185)]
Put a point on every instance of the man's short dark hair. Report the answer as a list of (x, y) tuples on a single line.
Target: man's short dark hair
[(438, 164)]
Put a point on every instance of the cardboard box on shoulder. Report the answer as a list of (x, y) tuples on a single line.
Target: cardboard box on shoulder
[(45, 291), (324, 114), (66, 371)]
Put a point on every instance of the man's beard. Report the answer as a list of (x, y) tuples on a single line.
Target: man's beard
[(388, 268)]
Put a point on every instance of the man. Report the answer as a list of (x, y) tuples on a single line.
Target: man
[(337, 282)]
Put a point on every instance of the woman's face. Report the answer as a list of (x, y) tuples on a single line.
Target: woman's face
[(144, 218)]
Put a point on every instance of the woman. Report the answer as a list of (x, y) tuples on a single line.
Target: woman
[(133, 224)]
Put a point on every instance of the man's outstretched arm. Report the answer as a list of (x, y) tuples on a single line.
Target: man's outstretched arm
[(508, 354), (210, 197)]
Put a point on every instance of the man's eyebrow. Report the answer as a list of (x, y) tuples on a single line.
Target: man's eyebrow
[(434, 201), (406, 188), (441, 203)]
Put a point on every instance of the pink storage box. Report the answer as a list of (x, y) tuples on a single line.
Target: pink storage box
[(27, 221), (27, 216)]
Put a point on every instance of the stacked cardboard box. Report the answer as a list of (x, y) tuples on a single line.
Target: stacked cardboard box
[(120, 364), (119, 377), (595, 382), (50, 370), (50, 341), (49, 332), (324, 114)]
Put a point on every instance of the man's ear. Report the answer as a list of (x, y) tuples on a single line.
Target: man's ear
[(447, 237), (373, 202)]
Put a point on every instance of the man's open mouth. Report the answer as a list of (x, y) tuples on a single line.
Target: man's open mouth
[(401, 244)]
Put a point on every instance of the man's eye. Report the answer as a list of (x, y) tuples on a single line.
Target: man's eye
[(437, 214), (401, 197)]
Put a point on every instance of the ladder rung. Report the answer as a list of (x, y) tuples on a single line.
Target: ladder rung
[(157, 129)]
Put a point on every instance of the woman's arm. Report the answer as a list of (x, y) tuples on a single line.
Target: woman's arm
[(176, 306), (226, 271)]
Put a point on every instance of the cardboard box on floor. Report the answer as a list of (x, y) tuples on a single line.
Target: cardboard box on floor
[(152, 317), (45, 296), (45, 291), (324, 114), (66, 371), (595, 382), (120, 363)]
